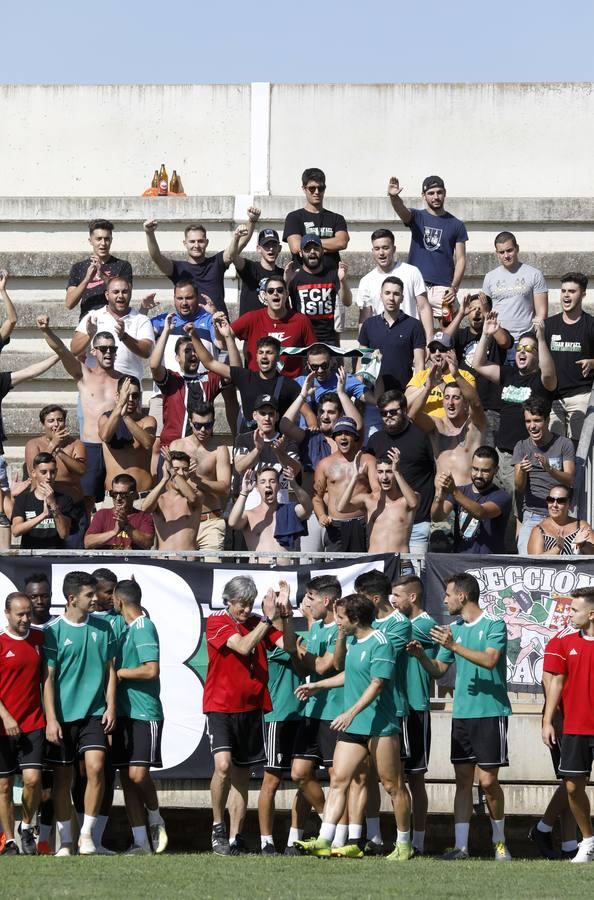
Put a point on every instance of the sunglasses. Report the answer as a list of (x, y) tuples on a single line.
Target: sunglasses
[(391, 413), (527, 348), (121, 494), (559, 500), (278, 290), (316, 189), (198, 425), (106, 348), (319, 367)]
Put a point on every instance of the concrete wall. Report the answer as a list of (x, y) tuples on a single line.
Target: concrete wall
[(487, 140)]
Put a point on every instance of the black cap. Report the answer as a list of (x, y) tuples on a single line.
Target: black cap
[(268, 234), (432, 181), (265, 400)]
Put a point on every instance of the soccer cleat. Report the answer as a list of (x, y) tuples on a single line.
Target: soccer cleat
[(319, 847), (219, 840), (10, 849), (349, 851), (417, 853), (158, 837), (100, 850), (44, 849), (455, 853), (65, 850), (373, 849), (402, 852), (86, 845), (268, 850), (544, 842), (28, 845), (584, 853), (502, 854), (238, 847), (291, 851), (138, 850)]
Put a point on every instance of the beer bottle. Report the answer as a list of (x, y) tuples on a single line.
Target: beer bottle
[(446, 313), (174, 184), (163, 181), (155, 181)]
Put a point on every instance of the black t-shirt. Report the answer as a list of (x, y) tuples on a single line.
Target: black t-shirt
[(315, 295), (244, 443), (324, 223), (208, 277), (465, 344), (251, 276), (5, 387), (94, 294), (515, 389), (251, 384), (417, 462), (45, 535), (567, 344)]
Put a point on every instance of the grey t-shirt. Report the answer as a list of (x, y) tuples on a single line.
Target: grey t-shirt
[(512, 294), (539, 483)]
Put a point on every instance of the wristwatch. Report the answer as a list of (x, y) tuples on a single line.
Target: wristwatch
[(268, 620)]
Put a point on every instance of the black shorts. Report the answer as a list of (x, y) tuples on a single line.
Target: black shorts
[(577, 755), (555, 752), (77, 738), (137, 742), (23, 752), (93, 481), (348, 737), (315, 740), (346, 535), (482, 742), (415, 741), (239, 733), (280, 743)]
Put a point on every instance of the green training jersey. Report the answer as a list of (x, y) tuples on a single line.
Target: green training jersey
[(398, 630), (137, 698), (371, 657), (282, 682), (418, 681), (321, 639), (479, 692), (78, 654), (117, 622)]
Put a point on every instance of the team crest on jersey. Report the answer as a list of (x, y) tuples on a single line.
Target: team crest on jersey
[(94, 636), (432, 237)]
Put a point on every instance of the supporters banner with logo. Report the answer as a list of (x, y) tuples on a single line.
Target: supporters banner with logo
[(178, 596), (532, 596)]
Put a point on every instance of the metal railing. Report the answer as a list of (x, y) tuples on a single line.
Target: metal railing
[(584, 467)]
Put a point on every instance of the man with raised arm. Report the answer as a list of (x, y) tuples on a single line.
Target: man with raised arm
[(175, 503), (128, 436), (344, 530)]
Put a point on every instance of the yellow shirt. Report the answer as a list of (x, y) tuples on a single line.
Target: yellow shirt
[(434, 402)]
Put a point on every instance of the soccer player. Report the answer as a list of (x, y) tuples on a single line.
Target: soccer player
[(477, 643), (367, 728), (79, 699), (236, 695), (407, 592), (570, 660), (22, 723), (137, 738)]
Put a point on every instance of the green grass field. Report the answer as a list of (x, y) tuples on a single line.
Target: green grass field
[(206, 876)]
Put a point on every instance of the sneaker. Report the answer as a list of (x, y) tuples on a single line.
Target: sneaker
[(544, 842), (238, 847), (373, 849), (100, 850), (138, 850), (65, 850), (402, 852), (44, 849), (4, 520), (352, 850), (28, 845), (10, 849), (158, 837), (219, 840), (268, 850), (584, 853), (290, 850), (314, 847), (502, 854), (455, 853), (417, 853), (86, 845)]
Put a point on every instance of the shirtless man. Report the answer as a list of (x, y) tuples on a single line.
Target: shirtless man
[(212, 475), (97, 390), (259, 525), (176, 504), (345, 530), (128, 436), (391, 512)]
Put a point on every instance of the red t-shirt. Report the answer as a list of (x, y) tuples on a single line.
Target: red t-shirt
[(236, 683), (104, 520), (572, 655), (20, 679), (294, 330)]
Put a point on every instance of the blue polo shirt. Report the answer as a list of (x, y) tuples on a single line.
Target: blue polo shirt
[(397, 343)]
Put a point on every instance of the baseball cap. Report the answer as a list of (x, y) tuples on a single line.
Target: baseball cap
[(268, 234), (345, 423), (443, 339), (432, 181), (265, 400), (310, 239)]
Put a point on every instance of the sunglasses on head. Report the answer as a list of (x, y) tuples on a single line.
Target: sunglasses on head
[(198, 425), (319, 367), (559, 500)]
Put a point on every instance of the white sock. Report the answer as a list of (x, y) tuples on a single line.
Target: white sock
[(588, 842), (461, 830), (569, 845), (99, 829), (498, 826), (542, 826), (154, 816), (64, 832), (418, 840), (403, 837), (26, 826), (140, 835), (45, 832), (295, 834), (374, 833), (327, 831), (355, 832), (340, 836), (265, 839), (88, 825)]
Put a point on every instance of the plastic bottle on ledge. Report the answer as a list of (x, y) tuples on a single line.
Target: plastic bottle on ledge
[(163, 181)]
